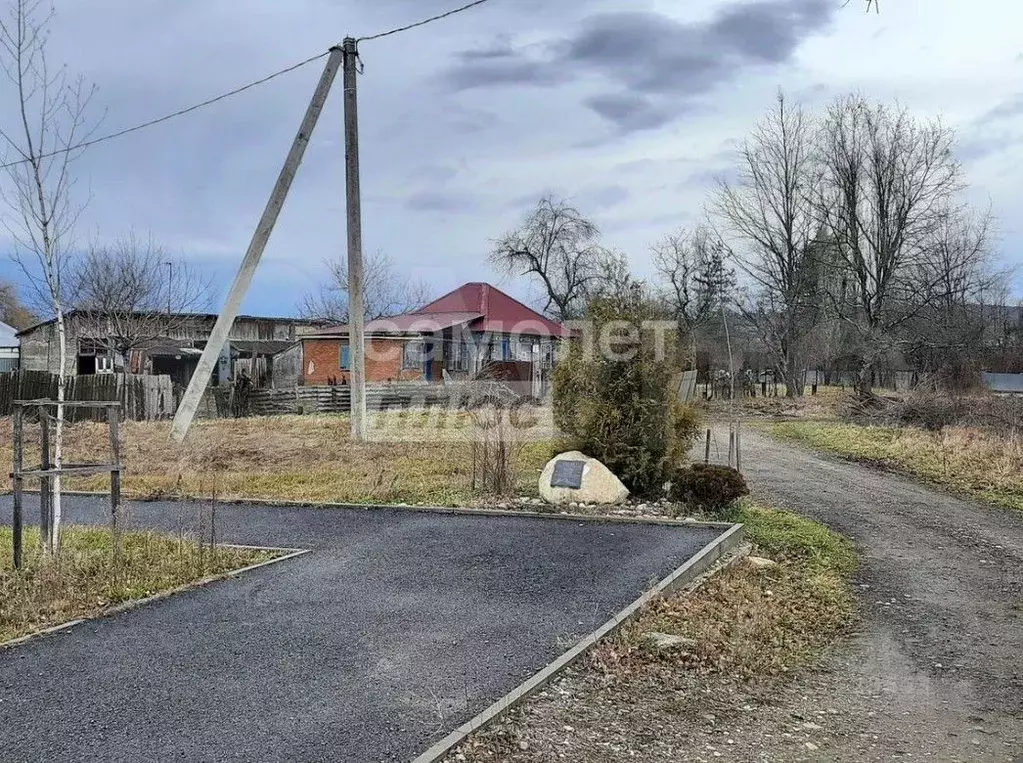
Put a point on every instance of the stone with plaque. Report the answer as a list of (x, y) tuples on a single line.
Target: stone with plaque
[(576, 478)]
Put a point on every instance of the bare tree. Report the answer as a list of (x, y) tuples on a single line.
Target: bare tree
[(770, 214), (50, 120), (959, 274), (695, 281), (133, 292), (558, 246), (386, 291), (888, 182)]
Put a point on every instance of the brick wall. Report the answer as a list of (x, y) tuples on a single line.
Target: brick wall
[(321, 361)]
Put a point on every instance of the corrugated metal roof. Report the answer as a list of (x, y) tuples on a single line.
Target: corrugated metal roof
[(403, 325), (500, 312)]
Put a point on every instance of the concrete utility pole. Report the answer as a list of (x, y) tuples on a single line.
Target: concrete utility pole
[(356, 305), (201, 378)]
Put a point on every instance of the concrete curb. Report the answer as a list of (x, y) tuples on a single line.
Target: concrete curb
[(686, 575), (287, 553), (456, 511)]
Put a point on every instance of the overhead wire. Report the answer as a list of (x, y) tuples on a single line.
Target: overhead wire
[(167, 117), (230, 93), (424, 22)]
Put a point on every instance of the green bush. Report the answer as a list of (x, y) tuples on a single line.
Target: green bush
[(708, 487), (616, 394)]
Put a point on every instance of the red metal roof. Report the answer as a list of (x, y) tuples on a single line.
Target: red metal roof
[(410, 323), (478, 305), (498, 311)]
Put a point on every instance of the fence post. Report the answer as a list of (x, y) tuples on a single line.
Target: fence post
[(16, 531), (731, 443), (114, 422), (706, 452), (738, 446), (45, 505)]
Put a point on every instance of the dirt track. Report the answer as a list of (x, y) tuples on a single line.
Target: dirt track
[(937, 670)]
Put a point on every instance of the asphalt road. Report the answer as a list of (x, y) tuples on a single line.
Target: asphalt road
[(396, 628), (938, 662)]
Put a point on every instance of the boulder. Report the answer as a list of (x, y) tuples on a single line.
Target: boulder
[(760, 562), (598, 484)]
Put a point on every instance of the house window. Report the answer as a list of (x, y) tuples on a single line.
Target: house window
[(501, 349), (346, 357), (413, 355), (524, 350), (454, 357)]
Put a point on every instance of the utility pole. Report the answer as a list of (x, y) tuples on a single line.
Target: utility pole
[(170, 284), (201, 377), (356, 306)]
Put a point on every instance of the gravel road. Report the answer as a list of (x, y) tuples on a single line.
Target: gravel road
[(395, 628), (937, 671)]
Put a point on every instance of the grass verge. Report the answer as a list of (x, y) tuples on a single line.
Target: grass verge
[(743, 631), (420, 459), (969, 461), (86, 578)]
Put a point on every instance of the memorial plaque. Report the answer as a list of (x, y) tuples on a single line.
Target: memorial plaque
[(568, 474)]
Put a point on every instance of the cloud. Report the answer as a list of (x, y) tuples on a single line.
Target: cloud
[(437, 201), (1007, 109), (651, 67), (629, 111)]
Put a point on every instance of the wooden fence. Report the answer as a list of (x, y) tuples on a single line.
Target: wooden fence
[(337, 399), (142, 398)]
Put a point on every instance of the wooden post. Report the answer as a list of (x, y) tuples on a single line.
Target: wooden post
[(114, 422), (738, 446), (201, 377), (731, 443), (16, 523), (706, 451), (45, 496)]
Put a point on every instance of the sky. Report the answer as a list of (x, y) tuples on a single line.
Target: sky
[(631, 109)]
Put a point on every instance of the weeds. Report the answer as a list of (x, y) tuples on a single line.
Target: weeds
[(87, 577), (300, 458), (747, 622), (974, 462)]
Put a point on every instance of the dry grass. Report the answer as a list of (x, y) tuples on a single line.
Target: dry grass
[(302, 458), (749, 622), (87, 577), (748, 629), (974, 462), (829, 403)]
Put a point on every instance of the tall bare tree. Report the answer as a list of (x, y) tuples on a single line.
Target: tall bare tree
[(958, 268), (888, 182), (133, 293), (770, 217), (559, 247), (694, 279), (49, 118), (386, 291)]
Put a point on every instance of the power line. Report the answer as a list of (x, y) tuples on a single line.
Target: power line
[(173, 115), (424, 22)]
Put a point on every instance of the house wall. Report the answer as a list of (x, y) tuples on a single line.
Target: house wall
[(287, 367), (321, 361)]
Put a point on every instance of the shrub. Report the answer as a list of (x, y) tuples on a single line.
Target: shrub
[(616, 394), (708, 487)]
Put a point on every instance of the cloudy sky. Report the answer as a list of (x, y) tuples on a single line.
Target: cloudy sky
[(630, 108)]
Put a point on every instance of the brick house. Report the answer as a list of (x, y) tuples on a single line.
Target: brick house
[(473, 329)]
